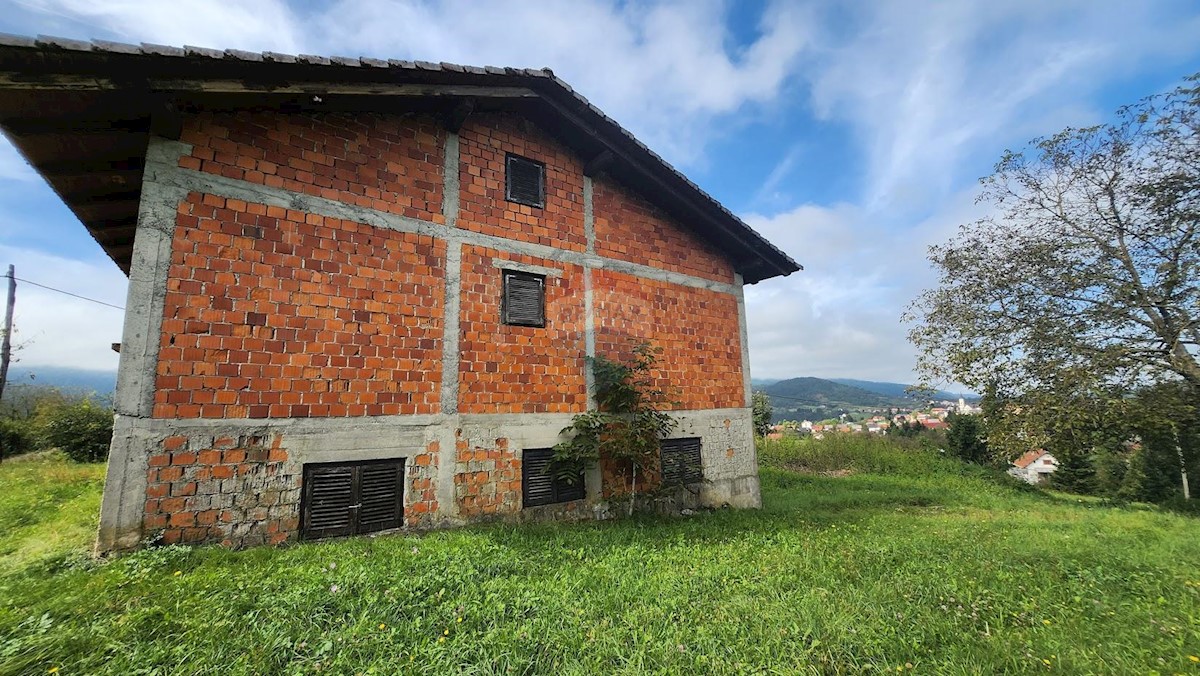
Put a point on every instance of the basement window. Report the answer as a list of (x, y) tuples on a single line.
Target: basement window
[(524, 181), (680, 462), (351, 498), (542, 486), (524, 299)]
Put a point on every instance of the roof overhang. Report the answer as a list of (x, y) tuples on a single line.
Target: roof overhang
[(82, 112)]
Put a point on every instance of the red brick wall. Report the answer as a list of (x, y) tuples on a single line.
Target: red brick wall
[(390, 163), (277, 313), (232, 490), (701, 363), (483, 143), (629, 228), (492, 483), (520, 369)]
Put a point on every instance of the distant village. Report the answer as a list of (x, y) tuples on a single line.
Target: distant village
[(932, 418), (1033, 467)]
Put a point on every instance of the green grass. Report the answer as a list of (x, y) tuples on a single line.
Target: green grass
[(47, 506), (932, 565)]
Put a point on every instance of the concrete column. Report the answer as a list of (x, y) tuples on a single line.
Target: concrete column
[(743, 336), (124, 500)]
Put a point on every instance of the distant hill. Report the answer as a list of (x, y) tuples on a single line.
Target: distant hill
[(821, 392), (897, 389), (81, 380)]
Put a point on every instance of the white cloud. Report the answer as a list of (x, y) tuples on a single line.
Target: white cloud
[(259, 25), (58, 330), (840, 317), (929, 85), (661, 69)]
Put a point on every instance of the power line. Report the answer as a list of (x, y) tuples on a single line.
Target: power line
[(68, 293)]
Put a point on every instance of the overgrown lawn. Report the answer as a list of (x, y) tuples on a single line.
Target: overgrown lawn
[(932, 567)]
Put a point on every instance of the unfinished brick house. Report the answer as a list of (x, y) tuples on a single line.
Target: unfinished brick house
[(361, 292)]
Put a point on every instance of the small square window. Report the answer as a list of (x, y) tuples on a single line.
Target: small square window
[(524, 299), (524, 181), (541, 486), (681, 462)]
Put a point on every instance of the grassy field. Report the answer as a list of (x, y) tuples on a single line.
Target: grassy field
[(900, 563)]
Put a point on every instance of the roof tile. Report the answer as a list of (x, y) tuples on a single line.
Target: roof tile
[(278, 58), (161, 50), (64, 43), (9, 40), (243, 55), (203, 51), (115, 47)]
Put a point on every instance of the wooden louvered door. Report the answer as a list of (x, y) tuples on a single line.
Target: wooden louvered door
[(681, 463), (380, 493), (344, 499)]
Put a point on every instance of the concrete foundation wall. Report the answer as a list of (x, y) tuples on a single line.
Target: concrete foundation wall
[(238, 483), (234, 477)]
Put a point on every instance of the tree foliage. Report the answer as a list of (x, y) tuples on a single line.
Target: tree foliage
[(966, 438), (761, 411), (1090, 263), (627, 424)]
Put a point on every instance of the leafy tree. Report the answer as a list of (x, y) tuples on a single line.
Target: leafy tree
[(627, 424), (1167, 422), (965, 438), (762, 412), (1086, 280)]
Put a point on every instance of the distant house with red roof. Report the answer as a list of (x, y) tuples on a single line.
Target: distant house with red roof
[(1034, 466)]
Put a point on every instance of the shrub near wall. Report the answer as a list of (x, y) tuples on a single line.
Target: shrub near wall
[(82, 430)]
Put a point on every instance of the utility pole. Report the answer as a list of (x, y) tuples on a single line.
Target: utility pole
[(6, 345)]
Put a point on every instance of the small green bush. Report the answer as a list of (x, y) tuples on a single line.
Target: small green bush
[(82, 431), (16, 437)]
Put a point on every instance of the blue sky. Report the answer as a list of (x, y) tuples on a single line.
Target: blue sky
[(850, 134)]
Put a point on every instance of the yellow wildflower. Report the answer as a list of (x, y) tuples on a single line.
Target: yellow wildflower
[(446, 633), (52, 670), (1194, 658), (382, 625), (1046, 622), (178, 573)]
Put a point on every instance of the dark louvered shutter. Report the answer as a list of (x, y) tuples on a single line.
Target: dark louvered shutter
[(328, 501), (681, 461), (380, 491), (540, 486), (524, 302), (344, 499), (524, 181)]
